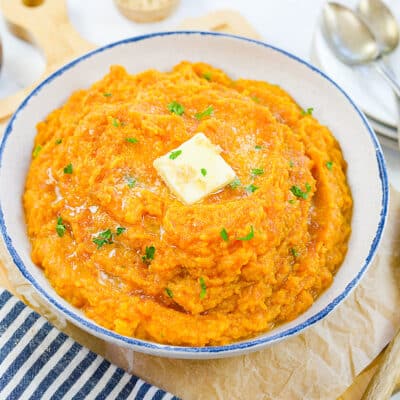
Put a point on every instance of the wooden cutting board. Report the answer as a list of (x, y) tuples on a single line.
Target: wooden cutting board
[(48, 27)]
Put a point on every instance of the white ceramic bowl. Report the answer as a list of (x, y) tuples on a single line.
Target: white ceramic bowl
[(239, 57)]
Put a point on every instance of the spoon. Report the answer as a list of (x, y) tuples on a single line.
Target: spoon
[(352, 41), (381, 22), (384, 27)]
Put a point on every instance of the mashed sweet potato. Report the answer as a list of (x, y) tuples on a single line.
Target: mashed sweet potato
[(114, 241)]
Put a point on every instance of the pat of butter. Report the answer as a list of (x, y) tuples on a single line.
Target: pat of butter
[(195, 169)]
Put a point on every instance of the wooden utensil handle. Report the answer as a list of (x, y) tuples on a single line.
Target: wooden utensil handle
[(48, 26), (385, 379)]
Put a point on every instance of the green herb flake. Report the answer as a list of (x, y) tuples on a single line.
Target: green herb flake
[(203, 288), (257, 171), (309, 111), (249, 236), (68, 169), (235, 183), (329, 165), (252, 188), (176, 108), (291, 164), (175, 154), (131, 182), (103, 238), (255, 99), (203, 171), (292, 201), (116, 122), (294, 252), (206, 113), (120, 230), (58, 141), (224, 235), (207, 75), (99, 242), (299, 193), (36, 151), (258, 147), (60, 227), (169, 293), (132, 140), (107, 94), (149, 254)]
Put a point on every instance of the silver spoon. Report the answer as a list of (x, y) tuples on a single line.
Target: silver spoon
[(353, 42), (384, 27), (381, 22)]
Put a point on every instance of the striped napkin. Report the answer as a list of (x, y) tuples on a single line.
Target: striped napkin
[(37, 361)]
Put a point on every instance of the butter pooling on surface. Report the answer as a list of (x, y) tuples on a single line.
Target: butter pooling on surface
[(135, 259)]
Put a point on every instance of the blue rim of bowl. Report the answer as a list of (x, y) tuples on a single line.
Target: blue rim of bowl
[(186, 351)]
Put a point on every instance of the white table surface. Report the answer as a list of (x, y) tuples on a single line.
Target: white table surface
[(288, 24)]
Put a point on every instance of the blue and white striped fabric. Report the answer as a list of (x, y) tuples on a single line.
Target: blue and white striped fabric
[(37, 361)]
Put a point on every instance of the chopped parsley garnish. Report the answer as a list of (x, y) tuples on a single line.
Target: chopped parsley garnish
[(116, 122), (203, 171), (148, 254), (299, 193), (169, 293), (175, 154), (103, 238), (120, 230), (207, 75), (257, 171), (36, 151), (58, 141), (252, 188), (292, 201), (258, 147), (60, 227), (294, 252), (224, 235), (255, 99), (235, 183), (329, 165), (131, 140), (249, 236), (176, 108), (203, 288), (206, 113), (68, 169), (107, 94), (309, 111), (291, 164), (131, 182)]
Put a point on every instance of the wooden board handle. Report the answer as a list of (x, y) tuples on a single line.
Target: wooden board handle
[(385, 379), (47, 26)]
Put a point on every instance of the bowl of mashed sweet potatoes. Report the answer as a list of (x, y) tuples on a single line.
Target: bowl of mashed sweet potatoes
[(108, 241)]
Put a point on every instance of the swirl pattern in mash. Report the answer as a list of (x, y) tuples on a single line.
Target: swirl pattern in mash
[(114, 241)]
